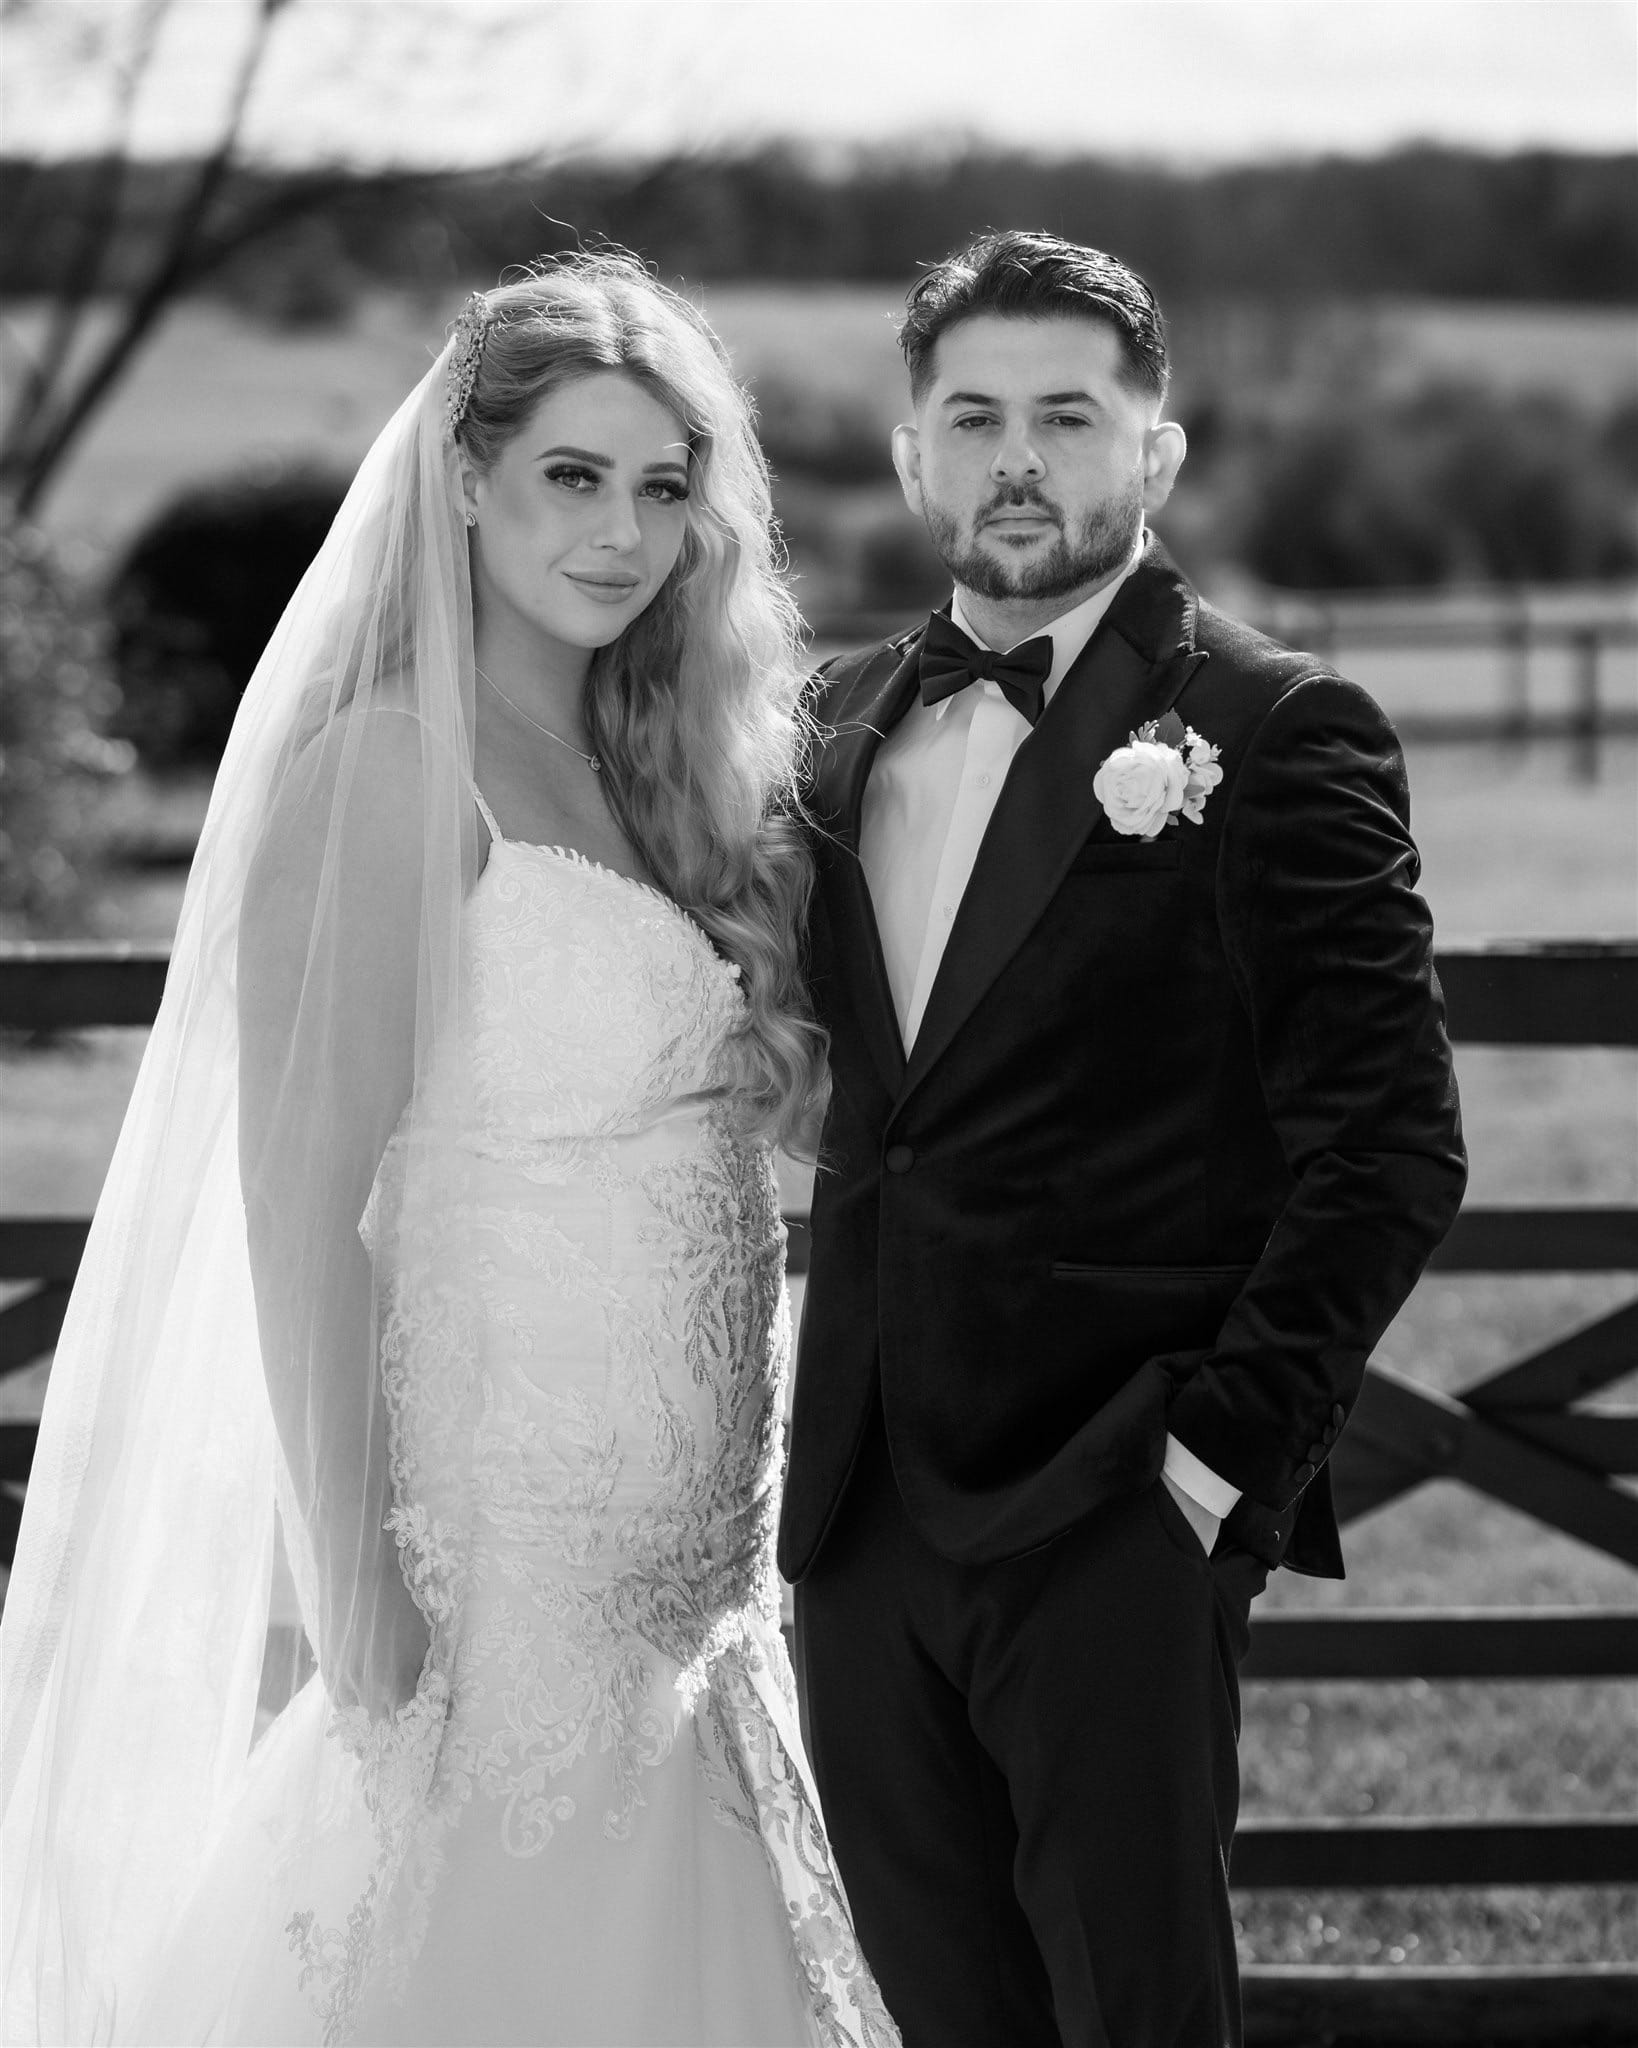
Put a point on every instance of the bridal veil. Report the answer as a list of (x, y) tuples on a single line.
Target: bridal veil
[(211, 1501)]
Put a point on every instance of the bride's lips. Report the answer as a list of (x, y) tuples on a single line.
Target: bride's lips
[(604, 589)]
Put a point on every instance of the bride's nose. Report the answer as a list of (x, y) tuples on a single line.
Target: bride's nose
[(618, 528)]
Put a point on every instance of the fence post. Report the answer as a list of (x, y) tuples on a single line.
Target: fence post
[(1516, 681), (1586, 710)]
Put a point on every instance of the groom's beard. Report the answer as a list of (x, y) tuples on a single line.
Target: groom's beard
[(1093, 551)]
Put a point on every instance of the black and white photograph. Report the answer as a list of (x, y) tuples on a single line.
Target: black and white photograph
[(819, 1023)]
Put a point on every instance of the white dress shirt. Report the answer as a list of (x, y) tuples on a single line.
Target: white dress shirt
[(932, 787)]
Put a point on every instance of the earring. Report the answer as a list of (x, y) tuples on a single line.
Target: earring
[(472, 519)]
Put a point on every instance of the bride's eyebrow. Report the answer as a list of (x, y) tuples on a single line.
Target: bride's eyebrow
[(595, 461)]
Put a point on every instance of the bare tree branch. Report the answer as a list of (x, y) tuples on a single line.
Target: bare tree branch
[(26, 472), (84, 265), (210, 215)]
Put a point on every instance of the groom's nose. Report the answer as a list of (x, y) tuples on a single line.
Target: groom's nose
[(1016, 456)]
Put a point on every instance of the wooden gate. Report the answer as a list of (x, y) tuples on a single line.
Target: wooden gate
[(1527, 1436)]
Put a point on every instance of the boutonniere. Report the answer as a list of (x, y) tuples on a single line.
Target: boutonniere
[(1165, 772)]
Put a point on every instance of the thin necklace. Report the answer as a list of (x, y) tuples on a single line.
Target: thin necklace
[(593, 761)]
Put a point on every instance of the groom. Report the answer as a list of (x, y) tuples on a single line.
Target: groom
[(1143, 1127)]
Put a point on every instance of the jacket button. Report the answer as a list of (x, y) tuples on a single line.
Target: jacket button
[(1339, 1415), (899, 1159), (1303, 1474), (1316, 1454)]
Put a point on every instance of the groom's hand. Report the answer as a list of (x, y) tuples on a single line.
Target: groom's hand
[(1201, 1520)]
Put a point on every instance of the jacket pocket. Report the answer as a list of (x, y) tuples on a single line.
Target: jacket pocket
[(1100, 1323), (1129, 856), (1204, 1277)]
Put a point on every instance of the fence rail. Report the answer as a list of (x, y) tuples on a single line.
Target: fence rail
[(1588, 2005), (1518, 630), (1522, 1435)]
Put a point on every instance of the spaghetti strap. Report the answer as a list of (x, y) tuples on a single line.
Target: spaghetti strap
[(487, 815)]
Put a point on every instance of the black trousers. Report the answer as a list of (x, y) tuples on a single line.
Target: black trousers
[(1028, 1771)]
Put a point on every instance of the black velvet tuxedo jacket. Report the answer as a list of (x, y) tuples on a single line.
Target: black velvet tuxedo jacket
[(1179, 1129)]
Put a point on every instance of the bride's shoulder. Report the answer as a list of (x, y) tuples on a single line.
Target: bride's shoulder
[(352, 800), (393, 755), (383, 761)]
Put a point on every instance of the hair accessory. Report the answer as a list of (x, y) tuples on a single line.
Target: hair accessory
[(472, 327)]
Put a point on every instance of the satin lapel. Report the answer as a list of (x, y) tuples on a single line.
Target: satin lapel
[(1045, 811), (859, 724)]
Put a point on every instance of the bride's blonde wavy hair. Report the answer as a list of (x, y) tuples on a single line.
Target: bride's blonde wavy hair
[(696, 709)]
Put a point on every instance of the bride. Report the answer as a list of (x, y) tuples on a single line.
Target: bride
[(436, 1293)]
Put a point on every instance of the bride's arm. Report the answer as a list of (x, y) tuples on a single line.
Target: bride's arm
[(329, 968)]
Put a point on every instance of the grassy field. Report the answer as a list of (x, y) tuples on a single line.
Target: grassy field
[(216, 392), (1511, 847), (216, 395)]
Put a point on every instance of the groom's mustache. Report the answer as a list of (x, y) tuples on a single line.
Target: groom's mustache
[(1021, 497)]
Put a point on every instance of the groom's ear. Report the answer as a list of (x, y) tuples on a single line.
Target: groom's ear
[(907, 461), (1164, 447)]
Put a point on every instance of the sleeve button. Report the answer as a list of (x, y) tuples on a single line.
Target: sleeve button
[(1316, 1454), (1303, 1474), (1339, 1415), (899, 1159)]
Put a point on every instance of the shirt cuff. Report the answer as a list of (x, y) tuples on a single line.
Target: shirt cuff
[(1197, 1480)]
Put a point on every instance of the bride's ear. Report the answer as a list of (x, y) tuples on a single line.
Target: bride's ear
[(469, 491)]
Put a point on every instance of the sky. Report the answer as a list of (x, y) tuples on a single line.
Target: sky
[(1178, 81)]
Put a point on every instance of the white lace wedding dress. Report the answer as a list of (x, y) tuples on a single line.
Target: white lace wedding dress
[(609, 1836)]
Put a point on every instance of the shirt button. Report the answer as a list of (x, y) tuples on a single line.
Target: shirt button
[(983, 782), (899, 1159), (948, 912)]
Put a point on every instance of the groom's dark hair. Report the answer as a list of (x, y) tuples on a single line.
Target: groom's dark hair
[(1024, 275)]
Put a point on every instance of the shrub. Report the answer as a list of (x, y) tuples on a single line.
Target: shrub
[(299, 276), (1451, 485), (808, 430), (55, 685), (1621, 439), (897, 566), (196, 600)]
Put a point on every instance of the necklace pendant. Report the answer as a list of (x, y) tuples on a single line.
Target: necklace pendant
[(593, 761)]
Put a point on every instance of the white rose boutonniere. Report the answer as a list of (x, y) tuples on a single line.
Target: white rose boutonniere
[(1141, 786), (1165, 772)]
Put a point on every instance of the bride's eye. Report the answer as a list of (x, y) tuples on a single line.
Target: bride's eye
[(573, 476), (668, 490)]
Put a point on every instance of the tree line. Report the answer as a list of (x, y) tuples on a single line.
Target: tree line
[(1540, 225)]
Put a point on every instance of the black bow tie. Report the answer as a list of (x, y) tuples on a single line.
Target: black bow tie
[(950, 661)]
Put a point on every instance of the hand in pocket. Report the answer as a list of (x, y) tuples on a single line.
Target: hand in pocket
[(1201, 1520)]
